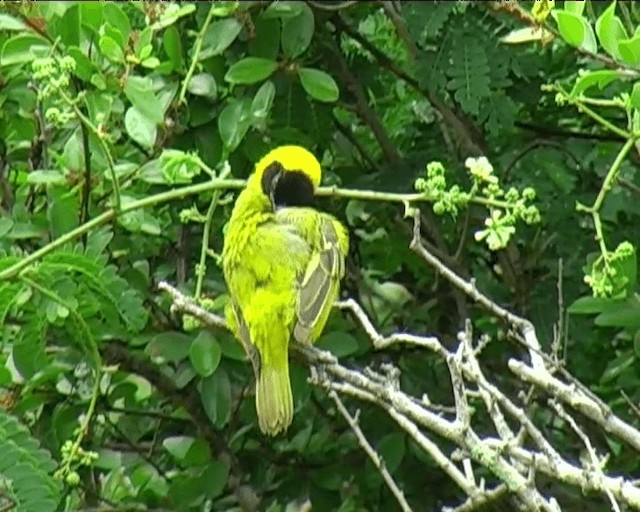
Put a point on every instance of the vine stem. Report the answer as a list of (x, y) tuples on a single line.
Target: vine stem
[(196, 54), (608, 182), (204, 247), (215, 184), (107, 153)]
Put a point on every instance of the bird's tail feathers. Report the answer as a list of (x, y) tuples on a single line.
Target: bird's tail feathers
[(274, 401)]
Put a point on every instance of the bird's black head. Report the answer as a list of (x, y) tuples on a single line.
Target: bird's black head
[(286, 187)]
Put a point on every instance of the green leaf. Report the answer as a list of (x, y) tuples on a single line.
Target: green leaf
[(250, 70), (63, 212), (140, 128), (219, 36), (575, 30), (262, 101), (23, 48), (600, 77), (635, 96), (140, 93), (297, 32), (178, 446), (49, 177), (6, 224), (116, 17), (629, 50), (171, 347), (319, 85), (340, 344), (172, 13), (215, 475), (85, 68), (283, 9), (69, 26), (233, 123), (589, 305), (626, 315), (8, 22), (392, 449), (610, 30), (111, 49), (215, 393), (575, 6), (205, 354), (203, 84), (173, 46)]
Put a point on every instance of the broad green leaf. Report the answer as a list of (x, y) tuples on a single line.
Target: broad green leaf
[(114, 15), (203, 84), (145, 38), (85, 68), (216, 475), (266, 43), (6, 224), (140, 93), (575, 6), (392, 448), (610, 30), (23, 48), (171, 347), (8, 22), (297, 32), (319, 85), (178, 446), (219, 36), (340, 344), (262, 101), (173, 46), (205, 354), (627, 315), (140, 128), (283, 9), (49, 177), (215, 393), (224, 8), (69, 26), (250, 70), (629, 50), (590, 305), (600, 77), (111, 49), (617, 366), (63, 212), (233, 123), (172, 13), (575, 30), (635, 96)]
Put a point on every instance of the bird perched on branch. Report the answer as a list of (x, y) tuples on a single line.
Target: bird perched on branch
[(283, 262)]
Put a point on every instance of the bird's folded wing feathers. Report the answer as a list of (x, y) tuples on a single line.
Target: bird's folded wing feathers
[(318, 287)]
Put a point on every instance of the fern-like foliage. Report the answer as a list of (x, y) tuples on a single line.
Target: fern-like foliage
[(469, 75), (26, 469)]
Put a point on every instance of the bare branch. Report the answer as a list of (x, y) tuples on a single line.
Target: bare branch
[(373, 455)]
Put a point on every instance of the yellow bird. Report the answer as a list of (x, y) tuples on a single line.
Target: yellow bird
[(283, 262)]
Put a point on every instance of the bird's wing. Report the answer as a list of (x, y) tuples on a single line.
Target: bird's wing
[(319, 281)]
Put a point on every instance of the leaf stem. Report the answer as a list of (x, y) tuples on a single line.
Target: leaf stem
[(196, 54), (204, 247)]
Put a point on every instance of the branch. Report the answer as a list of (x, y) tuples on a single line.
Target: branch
[(373, 455)]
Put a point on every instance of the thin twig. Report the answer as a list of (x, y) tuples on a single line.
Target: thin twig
[(373, 455)]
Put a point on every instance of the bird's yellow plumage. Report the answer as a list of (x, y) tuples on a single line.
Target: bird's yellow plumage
[(282, 262)]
